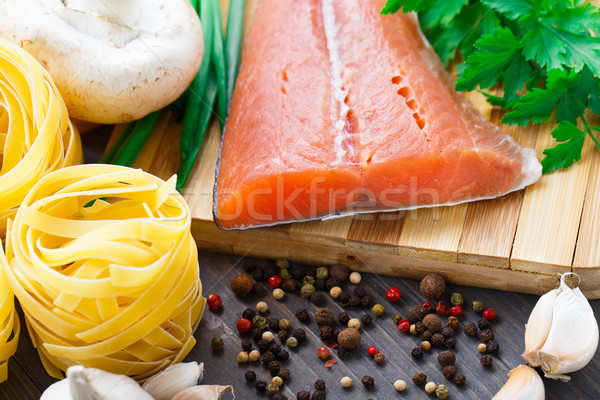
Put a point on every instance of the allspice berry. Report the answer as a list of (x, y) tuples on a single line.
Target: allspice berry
[(446, 358), (416, 314), (433, 286), (438, 339), (349, 338), (324, 317), (432, 322), (419, 378), (379, 358), (242, 284)]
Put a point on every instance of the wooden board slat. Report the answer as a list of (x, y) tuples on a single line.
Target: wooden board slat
[(517, 242)]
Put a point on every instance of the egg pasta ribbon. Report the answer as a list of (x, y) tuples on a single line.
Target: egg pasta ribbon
[(102, 260)]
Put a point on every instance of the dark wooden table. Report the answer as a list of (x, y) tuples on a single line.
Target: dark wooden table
[(27, 378)]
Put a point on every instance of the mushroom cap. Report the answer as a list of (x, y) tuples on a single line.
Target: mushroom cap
[(113, 61)]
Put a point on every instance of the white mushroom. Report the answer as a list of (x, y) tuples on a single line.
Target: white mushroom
[(112, 60)]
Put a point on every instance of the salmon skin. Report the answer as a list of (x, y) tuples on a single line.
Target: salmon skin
[(338, 109)]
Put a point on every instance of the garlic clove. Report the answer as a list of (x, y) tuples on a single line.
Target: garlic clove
[(57, 391), (571, 339), (203, 392), (174, 379), (523, 383), (96, 384)]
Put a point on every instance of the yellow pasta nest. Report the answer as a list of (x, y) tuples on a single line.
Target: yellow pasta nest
[(9, 326), (104, 265), (36, 135)]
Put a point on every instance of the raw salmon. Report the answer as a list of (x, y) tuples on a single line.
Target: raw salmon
[(338, 109)]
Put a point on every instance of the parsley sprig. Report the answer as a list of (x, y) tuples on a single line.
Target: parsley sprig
[(545, 52)]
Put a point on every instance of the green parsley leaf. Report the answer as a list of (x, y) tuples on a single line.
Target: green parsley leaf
[(568, 151), (561, 92), (393, 6), (478, 21), (442, 13), (513, 9)]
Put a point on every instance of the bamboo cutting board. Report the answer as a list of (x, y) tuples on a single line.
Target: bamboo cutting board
[(519, 242)]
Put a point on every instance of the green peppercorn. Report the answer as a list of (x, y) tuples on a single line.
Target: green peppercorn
[(291, 342), (217, 344), (309, 280), (442, 392), (397, 318), (282, 263), (322, 273), (307, 290), (378, 310), (272, 389), (478, 307), (259, 322), (456, 299), (284, 324), (285, 273)]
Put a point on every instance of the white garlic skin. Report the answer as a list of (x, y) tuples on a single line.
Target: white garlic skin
[(562, 333), (203, 392), (523, 383), (166, 384)]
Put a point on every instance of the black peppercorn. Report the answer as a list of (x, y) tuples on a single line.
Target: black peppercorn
[(302, 315), (366, 320), (367, 302), (437, 339), (471, 329), (249, 314), (246, 345), (450, 342), (274, 367), (282, 335), (416, 314), (343, 318), (486, 335), (267, 358), (447, 331), (273, 323), (419, 378), (282, 355), (284, 374), (279, 396), (217, 344), (317, 298), (320, 284), (290, 285), (446, 358), (303, 395), (320, 384), (263, 345), (326, 333), (274, 348), (259, 288), (492, 347), (268, 272), (331, 282), (483, 324), (249, 265), (319, 395), (257, 274), (261, 386), (342, 353), (379, 358), (354, 301), (344, 298), (419, 328), (486, 361), (250, 376), (297, 273), (360, 291), (324, 316), (426, 335), (460, 380), (449, 371), (368, 381), (299, 334), (417, 353), (256, 334)]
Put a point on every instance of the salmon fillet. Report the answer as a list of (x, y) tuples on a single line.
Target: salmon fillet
[(338, 109)]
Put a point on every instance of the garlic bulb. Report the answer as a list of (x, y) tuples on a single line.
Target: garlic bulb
[(561, 335), (203, 392), (94, 384), (166, 384), (523, 383)]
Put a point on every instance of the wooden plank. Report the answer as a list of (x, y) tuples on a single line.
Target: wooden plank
[(330, 231), (382, 229), (549, 221)]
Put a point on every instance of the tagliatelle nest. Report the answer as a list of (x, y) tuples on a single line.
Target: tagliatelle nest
[(9, 326), (36, 135), (103, 262)]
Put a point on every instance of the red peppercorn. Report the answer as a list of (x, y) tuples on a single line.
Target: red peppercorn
[(243, 325), (428, 306), (275, 281), (442, 309), (214, 302), (393, 294), (456, 311), (372, 350), (403, 325), (489, 314), (323, 353)]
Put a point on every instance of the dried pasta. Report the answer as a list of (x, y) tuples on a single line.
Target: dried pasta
[(104, 265), (9, 326)]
